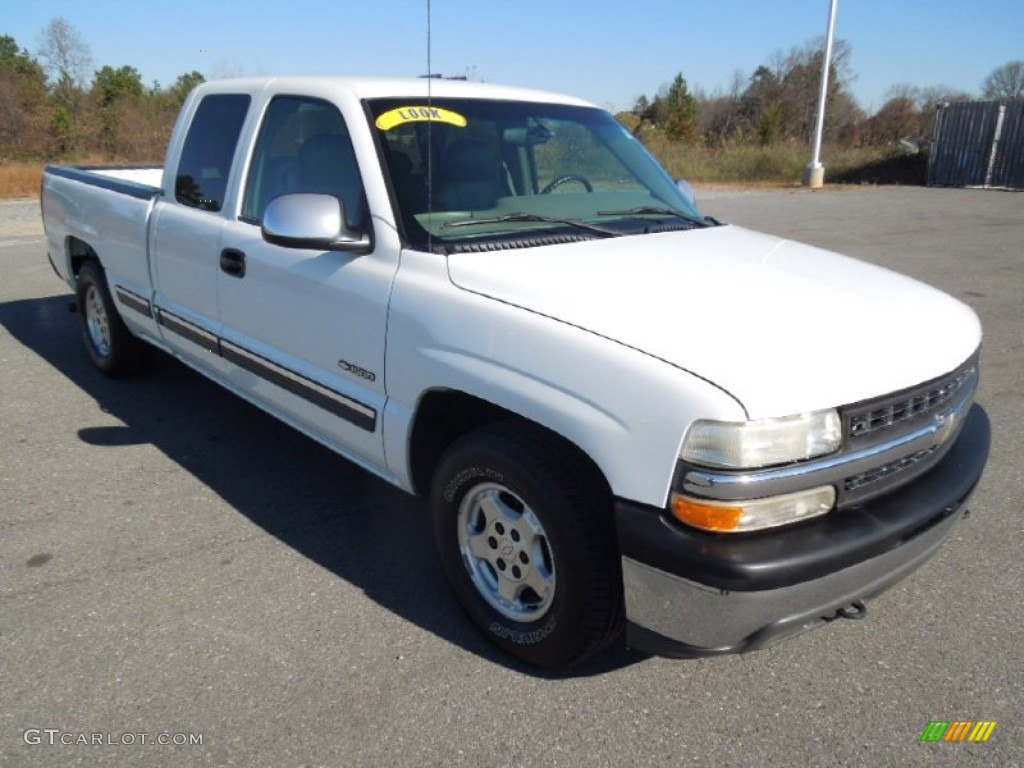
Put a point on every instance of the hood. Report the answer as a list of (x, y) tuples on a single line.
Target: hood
[(783, 327)]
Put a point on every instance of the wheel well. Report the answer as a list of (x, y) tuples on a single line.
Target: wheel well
[(80, 252), (446, 415)]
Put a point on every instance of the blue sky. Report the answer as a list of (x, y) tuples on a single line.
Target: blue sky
[(607, 52)]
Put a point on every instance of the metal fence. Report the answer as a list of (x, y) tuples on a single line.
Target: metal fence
[(978, 144)]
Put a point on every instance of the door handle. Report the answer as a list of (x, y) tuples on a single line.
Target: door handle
[(232, 261)]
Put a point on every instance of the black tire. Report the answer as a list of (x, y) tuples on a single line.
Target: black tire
[(111, 346), (517, 510)]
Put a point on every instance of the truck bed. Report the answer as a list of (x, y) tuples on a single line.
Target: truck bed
[(135, 180), (115, 212)]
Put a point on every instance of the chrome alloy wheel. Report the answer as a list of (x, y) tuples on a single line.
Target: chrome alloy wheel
[(505, 550), (96, 321)]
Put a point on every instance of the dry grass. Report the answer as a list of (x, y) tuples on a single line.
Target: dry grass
[(746, 165), (784, 164), (20, 179)]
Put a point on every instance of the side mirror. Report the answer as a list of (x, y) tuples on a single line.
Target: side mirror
[(317, 222)]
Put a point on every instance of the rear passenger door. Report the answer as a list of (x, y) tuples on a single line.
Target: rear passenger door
[(308, 327), (185, 258)]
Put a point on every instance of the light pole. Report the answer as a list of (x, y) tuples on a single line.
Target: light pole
[(814, 174)]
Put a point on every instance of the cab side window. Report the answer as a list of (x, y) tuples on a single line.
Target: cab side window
[(209, 148), (304, 146)]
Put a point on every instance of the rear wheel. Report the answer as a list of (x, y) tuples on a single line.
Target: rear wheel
[(525, 534), (111, 346)]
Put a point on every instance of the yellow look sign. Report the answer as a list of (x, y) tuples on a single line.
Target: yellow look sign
[(401, 115)]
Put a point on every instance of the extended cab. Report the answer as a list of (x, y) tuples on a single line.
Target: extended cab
[(626, 415)]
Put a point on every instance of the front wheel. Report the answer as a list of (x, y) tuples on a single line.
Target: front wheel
[(111, 346), (526, 537)]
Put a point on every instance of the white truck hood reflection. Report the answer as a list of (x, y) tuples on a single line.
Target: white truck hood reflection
[(783, 327)]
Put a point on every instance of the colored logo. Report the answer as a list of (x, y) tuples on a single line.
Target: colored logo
[(396, 117), (958, 730)]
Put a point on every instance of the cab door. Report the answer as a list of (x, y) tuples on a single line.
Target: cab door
[(306, 328), (185, 231)]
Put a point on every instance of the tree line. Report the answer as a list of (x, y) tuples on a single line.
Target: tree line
[(55, 104), (778, 104)]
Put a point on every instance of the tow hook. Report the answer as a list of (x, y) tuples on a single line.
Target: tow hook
[(855, 610)]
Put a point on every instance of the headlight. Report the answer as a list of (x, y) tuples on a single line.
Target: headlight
[(762, 443)]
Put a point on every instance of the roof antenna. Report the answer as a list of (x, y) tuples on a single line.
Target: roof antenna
[(430, 142), (430, 71)]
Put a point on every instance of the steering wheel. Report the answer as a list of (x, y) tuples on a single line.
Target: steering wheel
[(566, 178)]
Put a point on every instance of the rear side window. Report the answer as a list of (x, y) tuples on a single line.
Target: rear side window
[(205, 162)]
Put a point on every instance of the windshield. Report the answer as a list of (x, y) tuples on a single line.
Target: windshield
[(464, 172)]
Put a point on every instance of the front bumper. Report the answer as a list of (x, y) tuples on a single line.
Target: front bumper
[(691, 593)]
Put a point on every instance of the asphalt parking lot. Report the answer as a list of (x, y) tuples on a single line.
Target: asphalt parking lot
[(175, 563)]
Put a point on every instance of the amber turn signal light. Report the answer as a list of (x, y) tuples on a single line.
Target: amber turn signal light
[(707, 516)]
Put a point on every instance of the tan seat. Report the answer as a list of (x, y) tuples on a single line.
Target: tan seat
[(327, 165), (469, 178)]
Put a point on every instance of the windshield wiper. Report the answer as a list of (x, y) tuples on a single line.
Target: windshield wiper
[(653, 210), (535, 217)]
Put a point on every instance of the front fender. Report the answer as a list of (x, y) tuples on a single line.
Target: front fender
[(626, 410)]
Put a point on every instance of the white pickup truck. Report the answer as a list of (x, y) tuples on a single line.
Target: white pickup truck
[(626, 415)]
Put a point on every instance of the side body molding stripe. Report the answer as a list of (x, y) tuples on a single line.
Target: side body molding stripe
[(133, 301), (336, 403), (187, 330)]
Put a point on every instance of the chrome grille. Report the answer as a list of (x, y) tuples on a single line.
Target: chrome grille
[(871, 418), (865, 479), (888, 420)]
